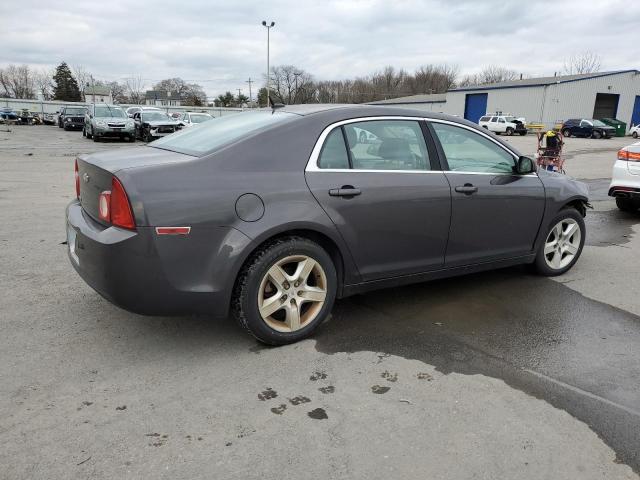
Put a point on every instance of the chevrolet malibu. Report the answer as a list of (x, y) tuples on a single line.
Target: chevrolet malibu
[(273, 214)]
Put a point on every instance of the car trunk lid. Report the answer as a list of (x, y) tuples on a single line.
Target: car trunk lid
[(96, 171)]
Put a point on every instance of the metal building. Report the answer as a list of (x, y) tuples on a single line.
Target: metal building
[(546, 100)]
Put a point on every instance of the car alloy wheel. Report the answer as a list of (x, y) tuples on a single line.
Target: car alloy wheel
[(562, 244), (292, 293), (566, 132)]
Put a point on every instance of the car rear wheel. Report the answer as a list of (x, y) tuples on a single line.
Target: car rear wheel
[(627, 204), (566, 132), (285, 291), (562, 245)]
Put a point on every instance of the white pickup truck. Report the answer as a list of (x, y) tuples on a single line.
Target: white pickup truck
[(503, 124)]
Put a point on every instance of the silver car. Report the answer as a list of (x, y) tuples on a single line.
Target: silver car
[(108, 121)]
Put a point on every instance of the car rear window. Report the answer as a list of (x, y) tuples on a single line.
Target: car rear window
[(207, 136)]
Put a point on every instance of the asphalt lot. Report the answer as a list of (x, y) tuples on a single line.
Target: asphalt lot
[(495, 375)]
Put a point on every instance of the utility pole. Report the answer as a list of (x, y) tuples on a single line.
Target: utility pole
[(268, 27), (249, 82)]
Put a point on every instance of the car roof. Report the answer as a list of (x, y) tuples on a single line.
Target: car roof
[(363, 110)]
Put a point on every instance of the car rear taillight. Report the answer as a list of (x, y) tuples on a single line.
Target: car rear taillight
[(77, 178), (628, 156), (114, 207), (121, 214)]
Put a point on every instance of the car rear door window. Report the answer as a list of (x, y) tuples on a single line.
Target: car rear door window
[(468, 151), (334, 152), (389, 145)]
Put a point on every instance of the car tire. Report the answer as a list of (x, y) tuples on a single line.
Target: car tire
[(566, 132), (627, 204), (89, 135), (522, 134), (509, 131), (554, 257), (634, 134), (278, 324), (148, 138), (596, 134)]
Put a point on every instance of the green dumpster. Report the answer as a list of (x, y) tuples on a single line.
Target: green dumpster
[(621, 127)]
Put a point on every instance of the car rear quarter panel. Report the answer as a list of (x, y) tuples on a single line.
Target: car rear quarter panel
[(202, 193)]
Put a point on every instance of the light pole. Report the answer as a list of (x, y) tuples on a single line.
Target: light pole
[(296, 75), (268, 26)]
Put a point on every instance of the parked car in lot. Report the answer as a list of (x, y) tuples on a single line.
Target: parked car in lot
[(151, 124), (137, 109), (71, 118), (274, 214), (507, 124), (50, 118), (188, 119), (587, 128), (108, 121), (8, 116), (635, 131), (625, 179)]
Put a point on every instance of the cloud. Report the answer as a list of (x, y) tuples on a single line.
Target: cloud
[(221, 44)]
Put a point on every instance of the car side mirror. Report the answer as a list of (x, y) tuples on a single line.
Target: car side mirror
[(525, 165)]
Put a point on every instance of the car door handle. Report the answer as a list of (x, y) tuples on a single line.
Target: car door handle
[(345, 191), (467, 189)]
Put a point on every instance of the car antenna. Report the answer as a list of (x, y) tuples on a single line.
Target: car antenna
[(275, 105)]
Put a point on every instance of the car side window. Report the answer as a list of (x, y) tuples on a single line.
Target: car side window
[(494, 119), (501, 120), (584, 123), (387, 145), (468, 151), (334, 151)]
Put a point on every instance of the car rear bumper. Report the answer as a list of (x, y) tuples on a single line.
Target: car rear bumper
[(145, 274), (624, 183)]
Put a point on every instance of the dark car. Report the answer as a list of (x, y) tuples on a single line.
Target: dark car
[(152, 124), (587, 127), (72, 118), (274, 214)]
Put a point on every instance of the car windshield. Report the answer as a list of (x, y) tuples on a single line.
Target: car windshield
[(155, 116), (597, 123), (107, 111), (200, 117), (210, 135), (74, 111)]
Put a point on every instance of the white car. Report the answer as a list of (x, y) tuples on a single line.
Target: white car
[(507, 124), (635, 131), (625, 179), (192, 118)]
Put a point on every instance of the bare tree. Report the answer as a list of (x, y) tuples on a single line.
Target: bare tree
[(291, 84), (134, 87), (585, 62), (43, 80), (118, 92), (488, 75), (18, 81), (82, 76)]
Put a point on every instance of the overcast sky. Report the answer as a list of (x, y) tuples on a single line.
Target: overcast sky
[(220, 44)]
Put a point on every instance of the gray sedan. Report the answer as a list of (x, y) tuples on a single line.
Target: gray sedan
[(272, 215)]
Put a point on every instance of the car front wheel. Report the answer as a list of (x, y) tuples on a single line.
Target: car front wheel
[(562, 245), (596, 134), (566, 132), (285, 291), (509, 131), (634, 134)]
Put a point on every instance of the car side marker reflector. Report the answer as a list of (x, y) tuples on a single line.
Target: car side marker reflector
[(173, 230)]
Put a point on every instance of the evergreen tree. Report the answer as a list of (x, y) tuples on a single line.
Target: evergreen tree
[(66, 87)]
